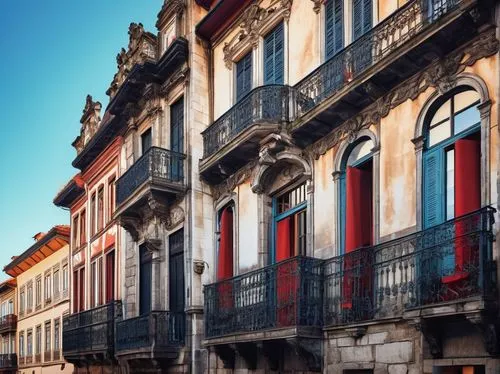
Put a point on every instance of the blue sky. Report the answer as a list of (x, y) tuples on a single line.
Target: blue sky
[(53, 53)]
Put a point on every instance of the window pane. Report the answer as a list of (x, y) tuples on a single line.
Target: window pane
[(359, 151), (465, 99), (439, 133), (466, 119), (450, 184), (442, 113)]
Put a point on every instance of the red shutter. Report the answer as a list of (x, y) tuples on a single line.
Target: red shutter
[(467, 200), (81, 296), (283, 241), (76, 292), (110, 277), (359, 233), (225, 260)]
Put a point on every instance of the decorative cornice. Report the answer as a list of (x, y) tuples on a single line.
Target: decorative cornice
[(90, 121), (179, 76), (169, 9), (254, 20), (233, 180), (441, 75)]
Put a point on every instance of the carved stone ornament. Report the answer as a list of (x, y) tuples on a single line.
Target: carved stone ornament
[(90, 123), (442, 75), (176, 216), (317, 5), (254, 20), (178, 77), (170, 8), (142, 46), (229, 184), (488, 329)]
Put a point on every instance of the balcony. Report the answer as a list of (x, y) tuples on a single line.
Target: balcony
[(402, 45), (89, 336), (8, 323), (8, 362), (234, 138), (158, 173), (156, 336)]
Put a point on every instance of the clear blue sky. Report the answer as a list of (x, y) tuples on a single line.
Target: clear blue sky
[(53, 53)]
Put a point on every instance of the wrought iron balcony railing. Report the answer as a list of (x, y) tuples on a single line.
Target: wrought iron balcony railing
[(287, 294), (265, 104), (8, 323), (91, 331), (8, 361), (157, 165), (447, 263), (155, 331), (373, 47)]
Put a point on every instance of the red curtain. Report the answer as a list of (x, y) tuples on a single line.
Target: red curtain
[(225, 260), (283, 240), (467, 200), (110, 277), (81, 296), (359, 233)]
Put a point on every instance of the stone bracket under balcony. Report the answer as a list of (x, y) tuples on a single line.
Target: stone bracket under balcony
[(234, 138), (400, 47), (149, 188)]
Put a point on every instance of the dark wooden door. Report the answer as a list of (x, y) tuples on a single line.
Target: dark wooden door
[(176, 271), (145, 281)]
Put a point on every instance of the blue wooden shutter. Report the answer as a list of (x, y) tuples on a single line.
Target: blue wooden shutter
[(274, 56), (361, 17), (244, 76), (433, 185), (177, 139), (333, 27), (367, 15)]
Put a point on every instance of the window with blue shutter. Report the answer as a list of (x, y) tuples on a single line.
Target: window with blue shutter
[(433, 188), (361, 18), (274, 56), (334, 36), (177, 139), (243, 76)]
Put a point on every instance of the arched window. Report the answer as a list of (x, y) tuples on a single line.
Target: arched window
[(452, 172), (356, 197)]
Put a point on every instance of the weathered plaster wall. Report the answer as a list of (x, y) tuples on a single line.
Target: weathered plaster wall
[(248, 228)]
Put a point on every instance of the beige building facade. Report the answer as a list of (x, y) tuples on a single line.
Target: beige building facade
[(43, 298)]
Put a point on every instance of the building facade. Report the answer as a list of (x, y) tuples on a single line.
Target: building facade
[(8, 326), (351, 178), (42, 273)]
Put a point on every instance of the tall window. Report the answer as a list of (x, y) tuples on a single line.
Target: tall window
[(65, 278), (38, 291), (334, 27), (83, 227), (57, 333), (79, 290), (38, 341), (452, 172), (289, 211), (274, 56), (56, 283), (111, 197), (177, 138), (100, 208), (146, 140), (244, 76), (48, 337), (361, 17), (29, 297), (110, 276), (145, 280), (29, 343), (96, 279), (21, 344), (74, 229), (93, 214), (22, 301), (48, 288), (225, 247)]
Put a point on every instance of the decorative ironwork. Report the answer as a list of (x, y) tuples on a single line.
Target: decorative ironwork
[(286, 294), (8, 323), (91, 330), (157, 165), (377, 44), (450, 262), (8, 361), (266, 104), (156, 330)]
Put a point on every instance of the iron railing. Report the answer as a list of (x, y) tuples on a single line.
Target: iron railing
[(286, 294), (8, 323), (265, 104), (156, 331), (368, 50), (91, 330), (446, 263), (8, 360), (157, 166)]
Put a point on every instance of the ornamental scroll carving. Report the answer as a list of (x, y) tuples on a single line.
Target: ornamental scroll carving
[(441, 74), (229, 184), (253, 21), (90, 122)]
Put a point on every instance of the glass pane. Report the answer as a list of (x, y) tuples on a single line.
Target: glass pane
[(359, 151), (450, 184), (465, 99), (466, 119), (442, 113), (439, 133)]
